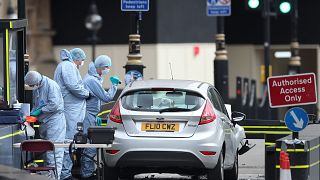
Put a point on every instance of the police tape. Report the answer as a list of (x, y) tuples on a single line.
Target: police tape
[(38, 161), (100, 114), (300, 150), (269, 132), (265, 127), (269, 143), (7, 63), (104, 112), (277, 130), (11, 135), (301, 166)]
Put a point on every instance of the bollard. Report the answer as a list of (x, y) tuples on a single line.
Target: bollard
[(304, 153), (270, 162)]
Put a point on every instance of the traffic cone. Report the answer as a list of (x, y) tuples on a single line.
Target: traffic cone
[(285, 173)]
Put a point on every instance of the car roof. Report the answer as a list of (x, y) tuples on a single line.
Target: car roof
[(192, 85)]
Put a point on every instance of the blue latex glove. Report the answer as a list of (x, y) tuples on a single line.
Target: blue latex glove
[(115, 80), (99, 121), (36, 112)]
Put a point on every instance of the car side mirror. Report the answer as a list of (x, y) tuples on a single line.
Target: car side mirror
[(237, 116)]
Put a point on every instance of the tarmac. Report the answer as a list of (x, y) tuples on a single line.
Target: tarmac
[(251, 165)]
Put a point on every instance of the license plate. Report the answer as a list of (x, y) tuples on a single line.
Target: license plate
[(160, 126)]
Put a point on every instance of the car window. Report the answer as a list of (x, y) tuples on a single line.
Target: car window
[(214, 100), (221, 102), (156, 100)]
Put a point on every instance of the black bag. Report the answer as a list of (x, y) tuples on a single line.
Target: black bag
[(101, 135)]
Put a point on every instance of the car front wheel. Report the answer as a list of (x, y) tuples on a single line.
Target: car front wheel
[(217, 173)]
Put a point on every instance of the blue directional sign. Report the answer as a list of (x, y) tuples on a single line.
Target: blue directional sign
[(218, 7), (134, 5), (296, 119)]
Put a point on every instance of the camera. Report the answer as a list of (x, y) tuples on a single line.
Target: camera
[(80, 137)]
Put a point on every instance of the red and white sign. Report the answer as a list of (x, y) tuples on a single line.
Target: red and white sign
[(292, 90)]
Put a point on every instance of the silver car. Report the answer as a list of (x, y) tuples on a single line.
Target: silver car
[(173, 126)]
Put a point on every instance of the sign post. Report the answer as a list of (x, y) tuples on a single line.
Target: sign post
[(220, 8), (134, 66), (293, 90)]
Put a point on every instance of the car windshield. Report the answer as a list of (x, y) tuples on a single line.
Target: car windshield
[(162, 100)]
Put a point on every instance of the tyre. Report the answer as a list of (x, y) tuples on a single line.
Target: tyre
[(111, 173), (232, 174), (218, 172)]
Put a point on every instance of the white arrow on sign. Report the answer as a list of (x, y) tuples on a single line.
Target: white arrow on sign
[(298, 123)]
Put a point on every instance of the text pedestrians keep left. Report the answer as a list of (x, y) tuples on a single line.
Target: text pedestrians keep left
[(218, 7), (134, 5), (292, 90)]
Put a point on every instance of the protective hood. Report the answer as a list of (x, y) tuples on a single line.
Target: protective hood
[(93, 72), (65, 55)]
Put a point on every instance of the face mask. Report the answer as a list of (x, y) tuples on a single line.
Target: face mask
[(35, 87), (79, 66), (106, 71)]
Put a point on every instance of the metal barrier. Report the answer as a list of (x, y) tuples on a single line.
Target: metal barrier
[(304, 157)]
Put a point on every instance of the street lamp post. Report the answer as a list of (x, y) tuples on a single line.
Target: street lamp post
[(221, 62), (93, 23), (267, 41), (294, 66), (134, 62), (295, 60)]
